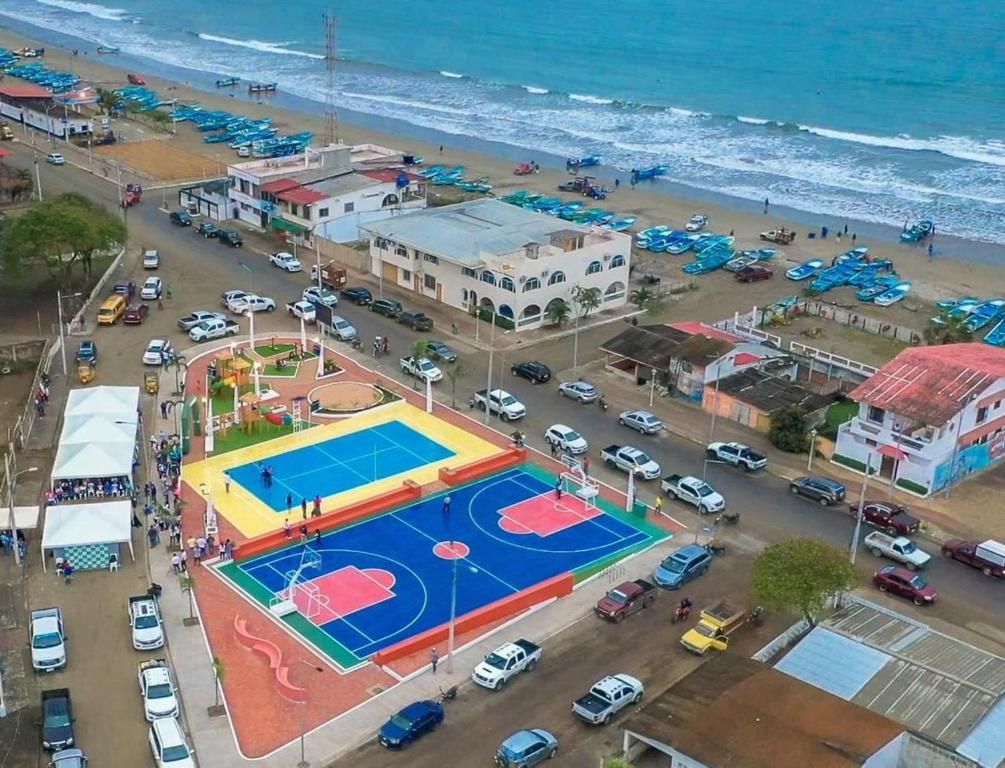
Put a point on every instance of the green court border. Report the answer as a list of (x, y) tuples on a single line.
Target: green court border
[(303, 629)]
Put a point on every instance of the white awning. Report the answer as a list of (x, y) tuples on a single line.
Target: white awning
[(79, 430), (74, 462), (116, 402), (79, 525), (25, 518)]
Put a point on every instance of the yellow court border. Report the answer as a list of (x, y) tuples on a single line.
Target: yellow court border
[(252, 517)]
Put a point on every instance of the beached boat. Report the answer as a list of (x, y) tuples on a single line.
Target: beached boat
[(916, 232), (805, 270), (892, 295), (984, 314), (431, 171), (568, 210), (262, 87), (951, 303), (544, 204), (711, 258), (740, 262), (678, 245), (479, 185), (854, 255), (227, 82), (996, 335), (649, 232), (108, 49), (620, 225), (644, 174), (871, 291), (573, 164), (761, 254)]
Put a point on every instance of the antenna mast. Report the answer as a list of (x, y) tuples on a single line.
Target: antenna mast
[(331, 116)]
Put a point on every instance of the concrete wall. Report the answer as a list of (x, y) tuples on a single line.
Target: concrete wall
[(350, 258)]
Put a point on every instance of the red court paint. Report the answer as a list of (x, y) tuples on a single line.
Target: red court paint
[(344, 592), (450, 550), (545, 514)]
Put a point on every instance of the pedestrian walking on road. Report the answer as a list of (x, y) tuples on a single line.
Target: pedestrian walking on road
[(434, 659), (554, 449), (386, 345), (659, 505), (226, 481), (586, 466), (184, 560), (317, 506)]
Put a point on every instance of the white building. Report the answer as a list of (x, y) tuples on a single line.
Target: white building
[(929, 417), (498, 258), (321, 192)]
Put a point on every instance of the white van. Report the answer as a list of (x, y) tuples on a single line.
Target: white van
[(167, 742)]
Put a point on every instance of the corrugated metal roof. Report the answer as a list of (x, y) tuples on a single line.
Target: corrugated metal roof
[(466, 233), (832, 662), (986, 742)]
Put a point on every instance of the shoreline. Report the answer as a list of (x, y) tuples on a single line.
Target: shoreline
[(959, 267)]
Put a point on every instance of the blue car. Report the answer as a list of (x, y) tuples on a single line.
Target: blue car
[(526, 748), (687, 563), (87, 352), (410, 723)]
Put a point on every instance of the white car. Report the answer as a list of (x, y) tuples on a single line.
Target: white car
[(566, 439), (342, 329), (55, 158), (158, 689), (580, 390), (244, 151), (194, 318), (151, 289), (642, 421), (251, 302), (157, 352), (228, 296), (286, 261), (151, 259), (696, 223), (167, 742), (321, 296)]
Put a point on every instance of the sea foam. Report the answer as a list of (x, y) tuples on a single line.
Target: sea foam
[(259, 45), (91, 9)]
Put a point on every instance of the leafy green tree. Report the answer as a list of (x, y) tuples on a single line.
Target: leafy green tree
[(586, 299), (788, 430), (641, 296), (110, 100), (799, 575), (947, 329), (557, 312), (187, 585), (63, 232), (219, 672), (455, 372)]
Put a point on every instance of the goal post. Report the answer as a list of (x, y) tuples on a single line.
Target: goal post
[(581, 486)]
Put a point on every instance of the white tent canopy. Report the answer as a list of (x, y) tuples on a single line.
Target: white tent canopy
[(85, 430), (76, 462), (80, 525), (116, 402)]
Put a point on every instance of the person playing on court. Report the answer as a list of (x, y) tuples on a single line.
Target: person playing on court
[(558, 489)]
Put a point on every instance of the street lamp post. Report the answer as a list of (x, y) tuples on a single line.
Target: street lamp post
[(858, 513), (303, 717), (251, 328), (813, 447), (11, 484), (452, 627), (488, 382)]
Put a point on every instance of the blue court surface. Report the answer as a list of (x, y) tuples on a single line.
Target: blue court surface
[(340, 464), (384, 579)]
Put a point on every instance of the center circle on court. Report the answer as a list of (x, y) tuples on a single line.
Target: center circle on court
[(451, 550)]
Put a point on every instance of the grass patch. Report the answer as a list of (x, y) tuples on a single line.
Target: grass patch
[(269, 350), (913, 487), (288, 371), (847, 461), (841, 412), (237, 437)]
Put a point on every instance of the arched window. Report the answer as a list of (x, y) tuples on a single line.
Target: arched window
[(556, 277), (616, 261), (506, 311), (391, 199), (488, 277), (595, 266), (531, 284), (531, 310), (507, 284), (614, 290)]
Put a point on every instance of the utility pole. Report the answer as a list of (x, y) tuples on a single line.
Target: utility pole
[(861, 505), (331, 115)]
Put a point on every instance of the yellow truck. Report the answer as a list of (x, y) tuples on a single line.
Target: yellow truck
[(714, 625)]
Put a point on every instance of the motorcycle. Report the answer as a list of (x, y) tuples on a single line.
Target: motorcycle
[(356, 343), (650, 279), (715, 547), (602, 402), (447, 695), (755, 616), (681, 613), (730, 518)]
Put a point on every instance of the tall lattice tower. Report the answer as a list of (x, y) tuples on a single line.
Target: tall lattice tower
[(331, 115)]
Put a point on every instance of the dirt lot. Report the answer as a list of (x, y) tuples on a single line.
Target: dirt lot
[(165, 160)]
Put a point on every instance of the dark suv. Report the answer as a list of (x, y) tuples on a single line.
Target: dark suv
[(891, 518), (357, 295), (386, 307), (181, 218), (208, 228), (230, 237), (820, 489), (416, 320), (532, 370)]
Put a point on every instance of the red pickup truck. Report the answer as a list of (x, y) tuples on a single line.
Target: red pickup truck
[(626, 599), (889, 517), (988, 555)]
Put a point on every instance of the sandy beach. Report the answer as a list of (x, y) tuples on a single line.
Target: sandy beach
[(946, 274)]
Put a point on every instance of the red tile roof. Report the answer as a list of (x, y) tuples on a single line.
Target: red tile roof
[(25, 92), (389, 174), (933, 384), (746, 358), (302, 195), (696, 328), (279, 185)]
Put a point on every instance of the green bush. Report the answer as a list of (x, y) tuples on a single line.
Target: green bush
[(501, 320), (913, 487), (788, 430), (849, 462)]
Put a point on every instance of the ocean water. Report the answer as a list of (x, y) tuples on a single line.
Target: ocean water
[(881, 112)]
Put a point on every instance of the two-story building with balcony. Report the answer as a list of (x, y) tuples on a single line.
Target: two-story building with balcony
[(929, 417), (490, 257), (321, 192)]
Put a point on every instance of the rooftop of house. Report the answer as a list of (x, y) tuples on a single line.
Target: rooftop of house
[(24, 91), (932, 384), (936, 685), (694, 327), (469, 232), (738, 713), (649, 345), (769, 393)]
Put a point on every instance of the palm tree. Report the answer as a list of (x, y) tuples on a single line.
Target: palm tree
[(110, 100), (418, 352), (187, 584), (219, 672), (640, 297), (947, 329), (557, 311), (455, 371), (586, 299)]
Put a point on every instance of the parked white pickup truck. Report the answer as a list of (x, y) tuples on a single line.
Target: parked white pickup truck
[(499, 401), (694, 491), (629, 459), (47, 640), (145, 620), (898, 548), (216, 328), (506, 662), (608, 697), (423, 368), (302, 309)]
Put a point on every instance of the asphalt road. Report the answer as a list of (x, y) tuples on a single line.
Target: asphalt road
[(199, 270)]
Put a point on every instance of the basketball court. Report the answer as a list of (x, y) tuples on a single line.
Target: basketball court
[(376, 583)]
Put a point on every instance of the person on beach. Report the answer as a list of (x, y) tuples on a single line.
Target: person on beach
[(931, 251), (766, 206)]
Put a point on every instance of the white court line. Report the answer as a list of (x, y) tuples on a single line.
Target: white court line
[(467, 559)]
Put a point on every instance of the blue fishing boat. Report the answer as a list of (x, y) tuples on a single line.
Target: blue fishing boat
[(953, 303), (479, 185), (703, 247), (740, 262), (227, 82), (544, 204), (678, 245), (917, 232), (620, 225), (644, 174), (805, 270), (854, 255), (584, 162), (711, 258), (568, 210), (984, 314), (996, 335), (431, 171), (879, 286), (892, 295), (650, 231)]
